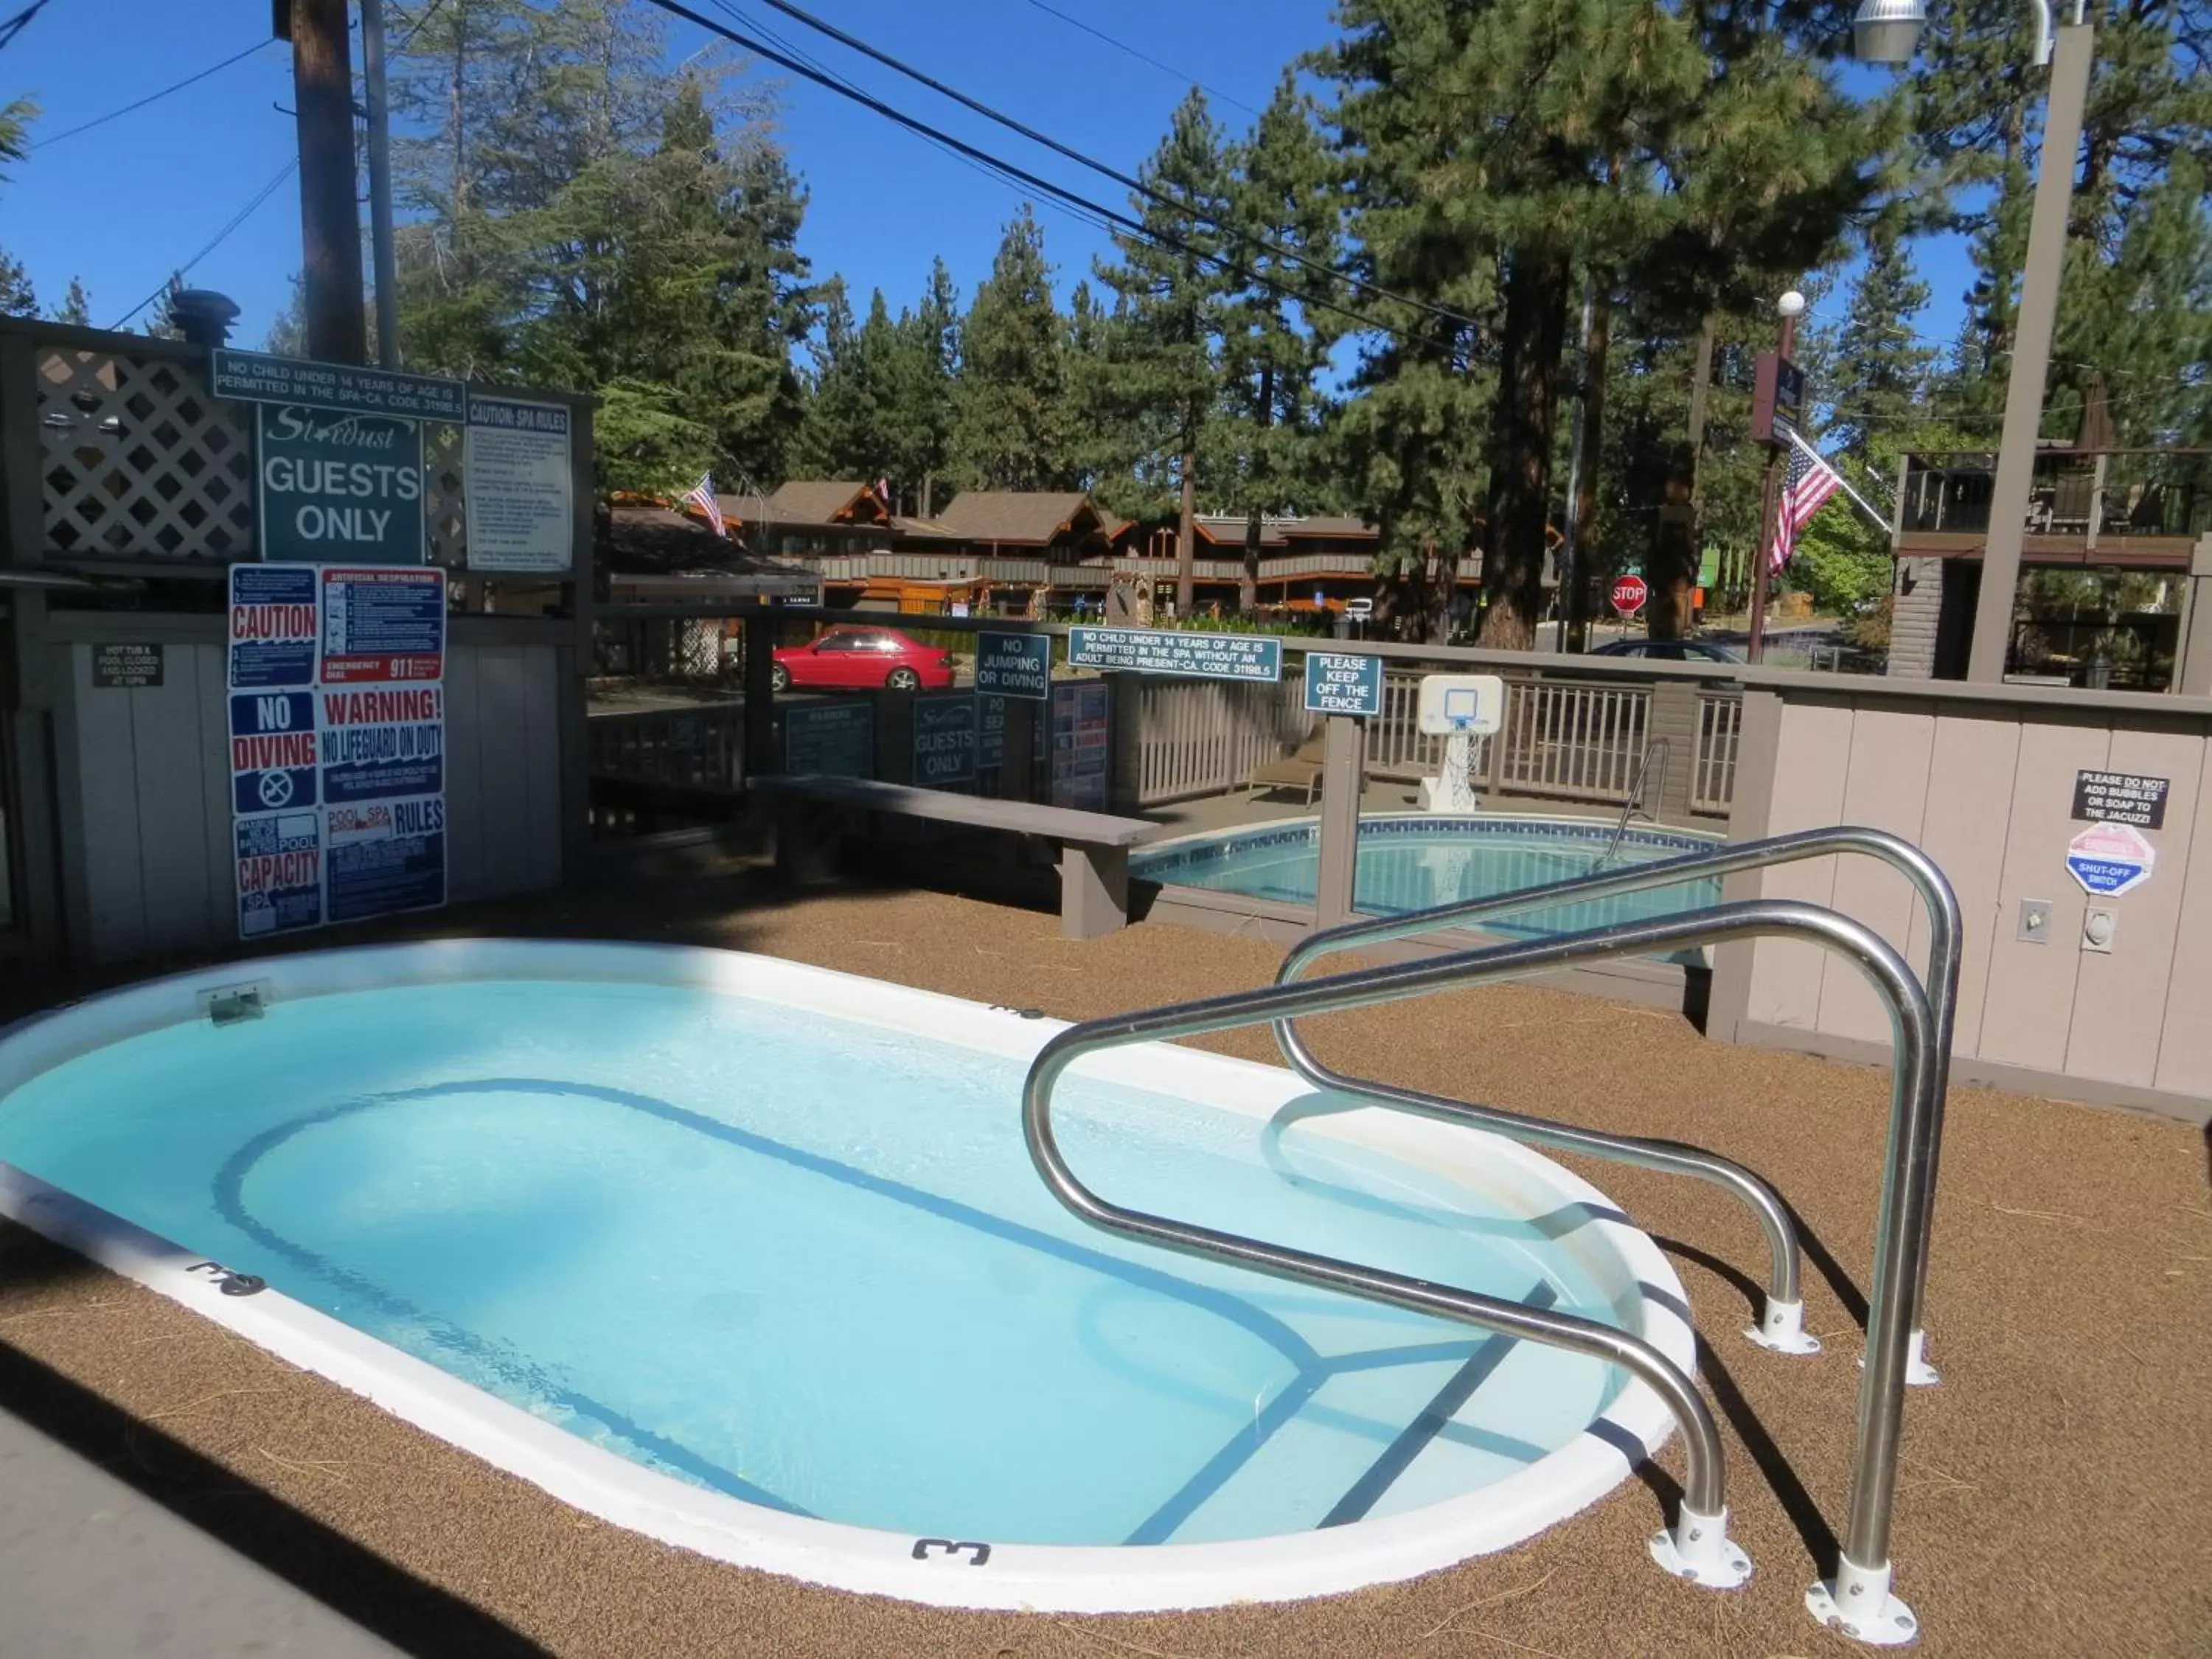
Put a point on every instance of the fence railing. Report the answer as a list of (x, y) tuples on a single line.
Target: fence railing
[(1572, 741), (690, 749), (1712, 762), (1204, 737), (1565, 740)]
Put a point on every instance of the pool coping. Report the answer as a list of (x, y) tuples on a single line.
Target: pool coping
[(938, 1572)]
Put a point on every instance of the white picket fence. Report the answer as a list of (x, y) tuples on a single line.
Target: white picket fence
[(1566, 740)]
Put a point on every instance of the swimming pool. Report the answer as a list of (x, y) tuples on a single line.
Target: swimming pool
[(1414, 861), (750, 1256)]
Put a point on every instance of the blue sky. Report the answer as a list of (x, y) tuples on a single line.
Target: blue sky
[(123, 204)]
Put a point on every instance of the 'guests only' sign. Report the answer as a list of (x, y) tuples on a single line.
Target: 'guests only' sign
[(339, 489)]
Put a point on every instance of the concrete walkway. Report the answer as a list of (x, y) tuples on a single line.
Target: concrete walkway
[(89, 1565)]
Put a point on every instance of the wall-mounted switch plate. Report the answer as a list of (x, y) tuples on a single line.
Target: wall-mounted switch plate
[(2034, 924), (2099, 927)]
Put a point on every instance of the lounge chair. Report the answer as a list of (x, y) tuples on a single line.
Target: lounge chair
[(1301, 770)]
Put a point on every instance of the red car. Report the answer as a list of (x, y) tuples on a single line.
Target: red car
[(847, 659)]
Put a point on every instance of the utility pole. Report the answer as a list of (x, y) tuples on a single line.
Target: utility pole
[(2031, 355), (379, 184), (330, 219), (1775, 396)]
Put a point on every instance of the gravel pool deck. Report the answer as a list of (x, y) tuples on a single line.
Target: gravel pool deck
[(2056, 1494)]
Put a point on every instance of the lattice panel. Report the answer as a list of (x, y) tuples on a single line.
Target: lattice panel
[(140, 462), (445, 495)]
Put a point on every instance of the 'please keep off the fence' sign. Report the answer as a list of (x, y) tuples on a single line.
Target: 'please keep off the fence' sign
[(1186, 656)]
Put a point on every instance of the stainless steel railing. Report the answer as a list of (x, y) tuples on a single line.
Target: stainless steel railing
[(1781, 1320), (1696, 1545), (1634, 804)]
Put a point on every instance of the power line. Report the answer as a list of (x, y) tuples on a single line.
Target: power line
[(21, 21), (1029, 180), (1142, 58), (152, 97), (214, 242), (1136, 185)]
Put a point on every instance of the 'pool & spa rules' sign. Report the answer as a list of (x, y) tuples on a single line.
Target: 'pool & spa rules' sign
[(338, 743)]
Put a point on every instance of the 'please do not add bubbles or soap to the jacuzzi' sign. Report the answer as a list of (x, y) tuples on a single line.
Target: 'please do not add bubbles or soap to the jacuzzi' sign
[(1187, 656), (338, 743)]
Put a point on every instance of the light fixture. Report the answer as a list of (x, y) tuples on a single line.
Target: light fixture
[(1888, 31), (1792, 304)]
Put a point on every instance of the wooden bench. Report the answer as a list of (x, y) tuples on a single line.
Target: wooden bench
[(1094, 859)]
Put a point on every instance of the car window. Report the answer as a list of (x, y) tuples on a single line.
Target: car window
[(838, 642)]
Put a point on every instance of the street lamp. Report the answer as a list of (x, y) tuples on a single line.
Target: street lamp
[(1790, 308), (1887, 31)]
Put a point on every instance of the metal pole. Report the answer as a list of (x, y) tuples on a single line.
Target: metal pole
[(1768, 507), (379, 184), (2031, 355), (1343, 772), (329, 220)]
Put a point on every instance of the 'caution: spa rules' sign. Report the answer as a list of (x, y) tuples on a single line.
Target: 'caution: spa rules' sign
[(339, 487)]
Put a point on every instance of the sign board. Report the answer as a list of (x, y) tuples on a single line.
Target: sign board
[(991, 736), (274, 625), (1629, 594), (385, 856), (1014, 665), (945, 740), (2110, 859), (1188, 656), (125, 667), (256, 377), (829, 739), (339, 487), (1082, 744), (338, 740), (1340, 685), (1777, 398), (382, 626), (1453, 703), (520, 514), (2121, 798)]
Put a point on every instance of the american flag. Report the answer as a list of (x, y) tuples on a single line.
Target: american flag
[(1808, 484), (701, 495)]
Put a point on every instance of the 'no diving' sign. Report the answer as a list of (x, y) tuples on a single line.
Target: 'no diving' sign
[(272, 751)]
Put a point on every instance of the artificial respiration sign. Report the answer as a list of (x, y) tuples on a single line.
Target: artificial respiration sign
[(339, 487)]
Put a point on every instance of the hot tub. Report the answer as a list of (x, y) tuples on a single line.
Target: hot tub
[(750, 1256)]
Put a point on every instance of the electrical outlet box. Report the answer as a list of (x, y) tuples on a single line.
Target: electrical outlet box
[(2034, 924), (2099, 926)]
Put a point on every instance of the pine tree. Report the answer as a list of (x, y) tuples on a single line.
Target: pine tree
[(1278, 325), (1173, 289), (852, 428), (17, 297), (1011, 430), (1875, 373), (1120, 452), (76, 307), (924, 365)]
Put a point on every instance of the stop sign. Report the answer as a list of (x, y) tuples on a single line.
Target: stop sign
[(1629, 593)]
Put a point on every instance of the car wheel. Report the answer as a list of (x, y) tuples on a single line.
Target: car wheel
[(904, 679), (779, 679)]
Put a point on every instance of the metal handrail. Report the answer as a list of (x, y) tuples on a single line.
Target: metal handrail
[(1696, 1545), (1777, 1324), (1665, 751)]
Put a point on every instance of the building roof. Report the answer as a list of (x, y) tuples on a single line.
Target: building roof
[(808, 500), (642, 545), (1031, 518)]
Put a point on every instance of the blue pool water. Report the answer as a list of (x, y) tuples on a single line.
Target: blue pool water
[(1415, 863), (804, 1259)]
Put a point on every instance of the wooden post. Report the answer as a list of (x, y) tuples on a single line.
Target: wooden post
[(330, 217), (761, 757), (1343, 771)]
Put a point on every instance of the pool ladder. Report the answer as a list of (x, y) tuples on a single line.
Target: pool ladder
[(1857, 1598)]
